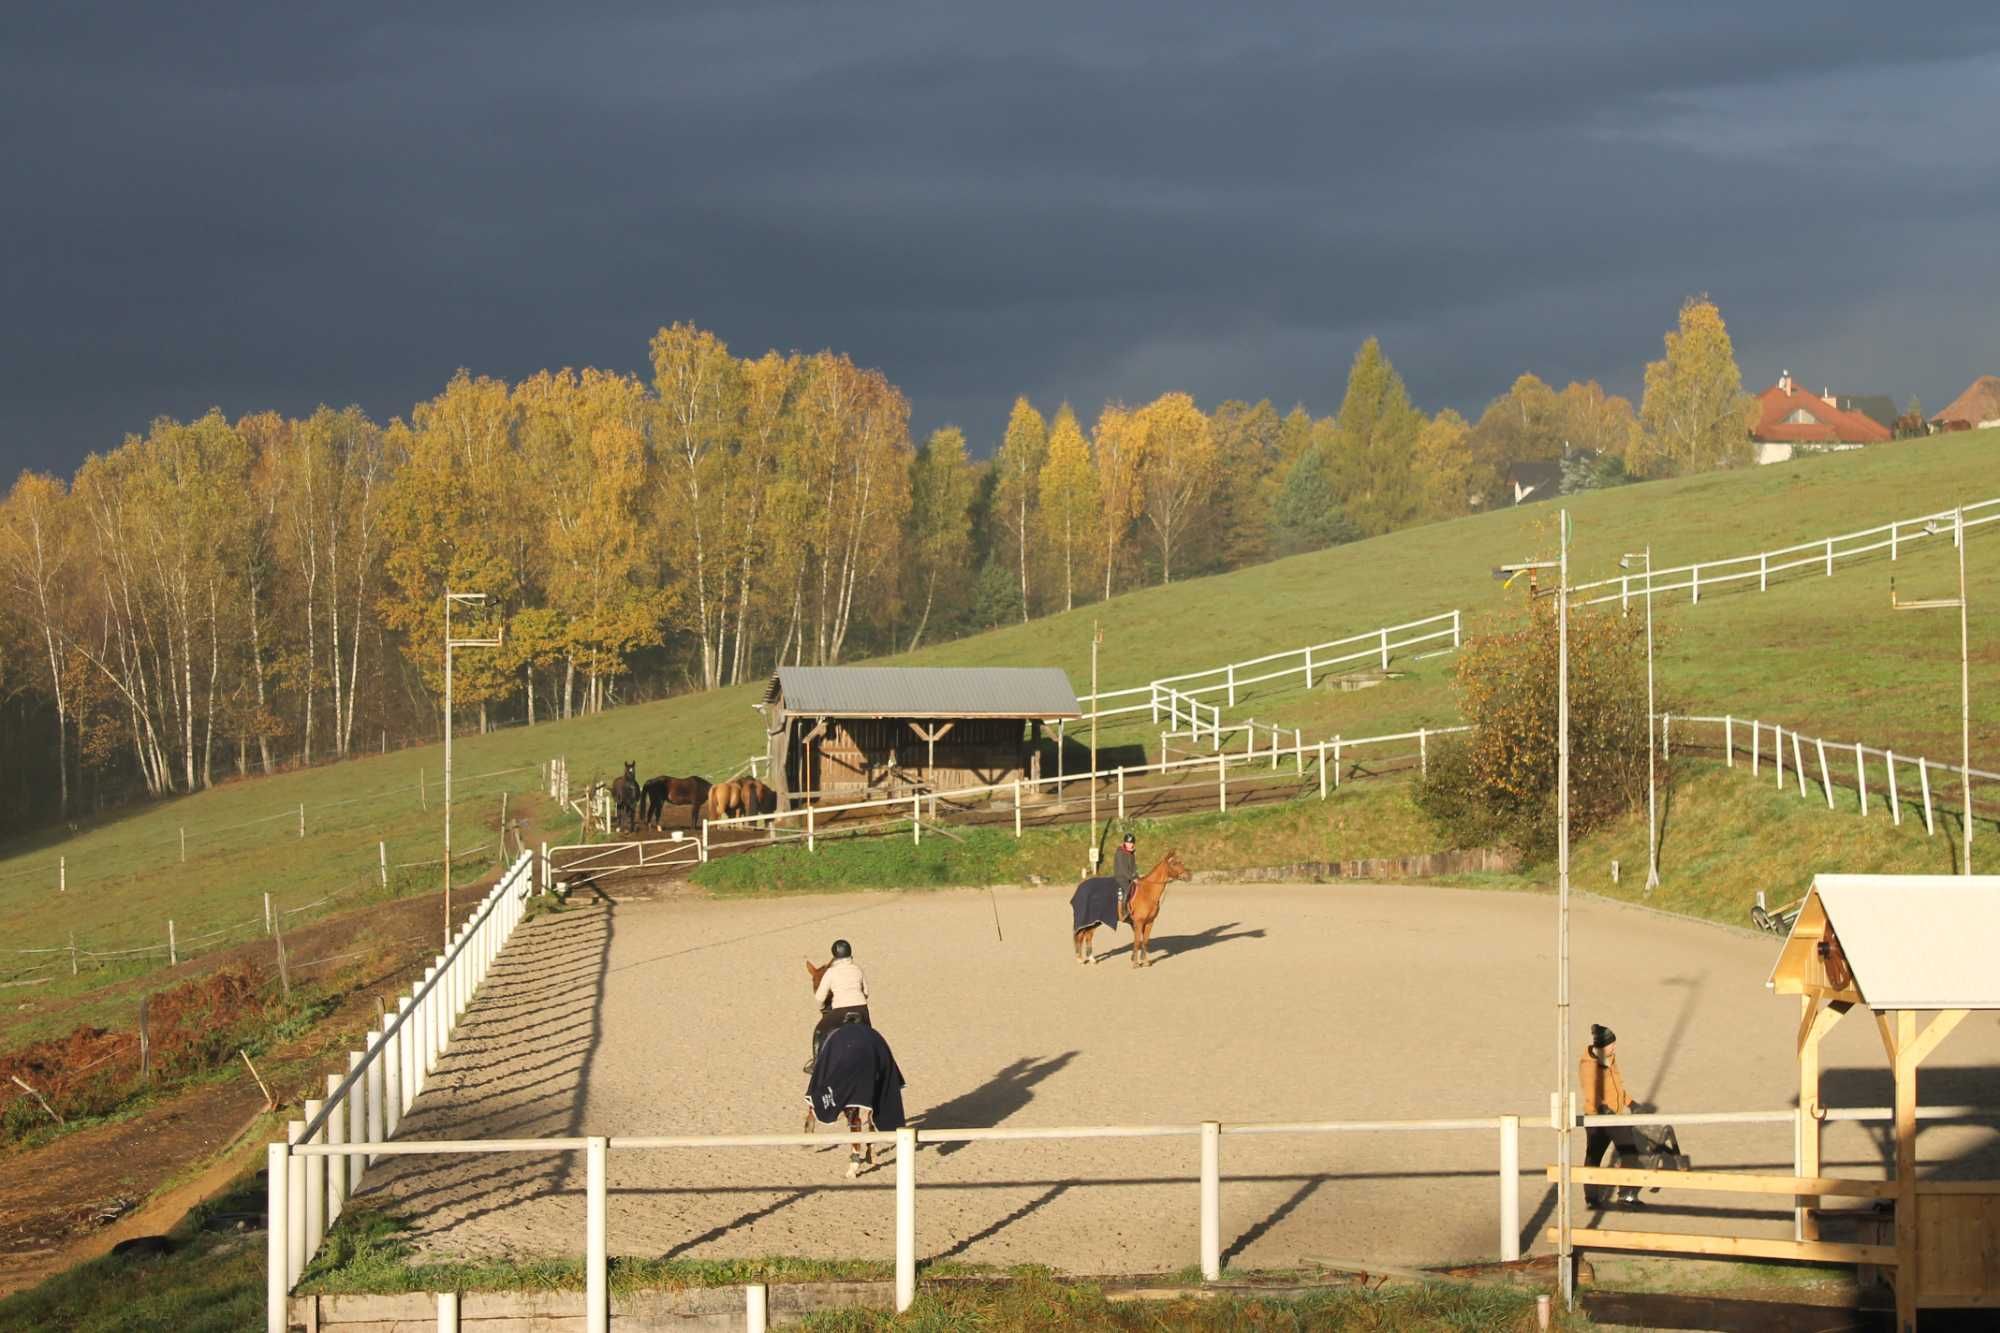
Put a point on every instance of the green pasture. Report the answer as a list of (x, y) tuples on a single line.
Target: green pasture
[(1823, 654)]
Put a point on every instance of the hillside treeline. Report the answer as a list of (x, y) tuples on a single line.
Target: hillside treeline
[(219, 596)]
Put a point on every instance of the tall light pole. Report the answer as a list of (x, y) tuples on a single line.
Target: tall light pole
[(1959, 603), (1096, 638), (1652, 794), (468, 599), (1565, 1120)]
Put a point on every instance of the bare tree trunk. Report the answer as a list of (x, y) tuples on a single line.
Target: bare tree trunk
[(569, 688), (1024, 553), (257, 673), (930, 592)]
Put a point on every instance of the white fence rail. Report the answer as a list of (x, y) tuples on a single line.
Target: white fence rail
[(1831, 762), (587, 861), (291, 1163), (1820, 554), (809, 823), (382, 1081), (1377, 647)]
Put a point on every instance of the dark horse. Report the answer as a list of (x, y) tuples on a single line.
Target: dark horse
[(625, 792), (652, 800)]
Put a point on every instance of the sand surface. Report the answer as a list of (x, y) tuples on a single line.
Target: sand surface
[(1266, 1003)]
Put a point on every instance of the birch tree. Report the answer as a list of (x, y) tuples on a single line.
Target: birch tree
[(940, 530), (699, 388), (1018, 465), (36, 535), (1069, 498), (1177, 469)]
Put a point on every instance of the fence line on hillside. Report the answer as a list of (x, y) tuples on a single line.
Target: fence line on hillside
[(1813, 751), (1821, 553)]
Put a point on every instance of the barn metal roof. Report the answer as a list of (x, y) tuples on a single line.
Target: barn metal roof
[(931, 692), (1911, 941)]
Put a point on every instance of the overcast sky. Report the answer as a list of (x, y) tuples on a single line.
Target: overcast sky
[(270, 207)]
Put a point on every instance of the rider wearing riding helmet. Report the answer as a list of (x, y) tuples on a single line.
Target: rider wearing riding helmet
[(1125, 869), (842, 991)]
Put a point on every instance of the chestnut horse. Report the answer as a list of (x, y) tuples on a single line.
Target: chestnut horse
[(1142, 909)]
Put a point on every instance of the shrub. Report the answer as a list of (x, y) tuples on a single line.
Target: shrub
[(1499, 784)]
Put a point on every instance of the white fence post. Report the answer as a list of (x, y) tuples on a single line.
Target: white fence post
[(1763, 572), (906, 1218), (1232, 684), (1455, 628), (1510, 1188), (1778, 752), (447, 1307), (295, 1205), (1222, 781), (315, 1181), (756, 1307), (1666, 738), (1322, 770), (1385, 648), (1211, 1201), (1829, 557), (1336, 763), (1895, 801), (1423, 753), (1729, 740), (596, 1262), (1299, 749), (810, 844), (336, 1167), (1756, 754), (392, 1076), (373, 1113), (1121, 793), (1017, 807), (1892, 540), (1825, 781), (173, 953), (1861, 778), (1309, 666), (302, 819), (1798, 765), (382, 859), (916, 821), (1924, 776), (277, 1243)]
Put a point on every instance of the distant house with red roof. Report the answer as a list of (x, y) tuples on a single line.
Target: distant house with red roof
[(1788, 416), (1977, 407)]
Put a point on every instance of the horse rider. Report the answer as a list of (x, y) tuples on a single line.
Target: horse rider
[(842, 991), (1125, 869), (1601, 1088)]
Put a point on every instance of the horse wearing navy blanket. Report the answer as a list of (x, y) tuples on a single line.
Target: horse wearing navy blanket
[(855, 1073), (1095, 903)]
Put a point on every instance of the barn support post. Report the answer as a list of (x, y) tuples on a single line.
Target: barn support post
[(1861, 778), (1059, 761), (596, 1260), (1211, 1201), (1895, 801), (906, 1218), (277, 1244), (1510, 1188), (1923, 776), (1825, 780)]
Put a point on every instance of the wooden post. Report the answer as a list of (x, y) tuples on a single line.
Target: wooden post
[(1924, 776), (1825, 782), (1895, 801), (1814, 1023), (184, 844), (1861, 778), (173, 955), (302, 819), (1906, 1169), (269, 927), (382, 861)]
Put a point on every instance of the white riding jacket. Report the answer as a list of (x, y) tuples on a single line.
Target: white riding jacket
[(843, 984)]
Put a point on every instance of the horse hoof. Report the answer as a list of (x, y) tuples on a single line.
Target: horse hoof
[(853, 1170)]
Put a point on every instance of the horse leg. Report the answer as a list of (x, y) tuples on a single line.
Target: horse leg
[(854, 1151)]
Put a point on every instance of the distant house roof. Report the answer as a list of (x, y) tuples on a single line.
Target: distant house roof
[(1879, 408), (1909, 941), (1787, 414), (929, 692), (1979, 404), (1534, 481)]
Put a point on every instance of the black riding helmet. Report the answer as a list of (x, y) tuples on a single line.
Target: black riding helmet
[(842, 949)]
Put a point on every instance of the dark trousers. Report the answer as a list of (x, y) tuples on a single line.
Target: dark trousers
[(832, 1019), (1597, 1140)]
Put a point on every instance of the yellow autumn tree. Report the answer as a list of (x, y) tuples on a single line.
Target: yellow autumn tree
[(1177, 468), (1069, 497), (1695, 412)]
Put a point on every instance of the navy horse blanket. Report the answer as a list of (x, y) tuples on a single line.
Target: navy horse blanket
[(1095, 903), (856, 1068)]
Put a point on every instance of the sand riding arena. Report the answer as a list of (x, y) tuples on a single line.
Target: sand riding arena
[(691, 1016)]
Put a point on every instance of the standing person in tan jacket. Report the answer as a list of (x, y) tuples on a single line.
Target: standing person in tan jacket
[(1601, 1091)]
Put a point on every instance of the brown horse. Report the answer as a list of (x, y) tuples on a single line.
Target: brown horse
[(688, 791), (1142, 909), (740, 796)]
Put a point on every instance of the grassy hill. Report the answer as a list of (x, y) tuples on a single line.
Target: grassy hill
[(1824, 654)]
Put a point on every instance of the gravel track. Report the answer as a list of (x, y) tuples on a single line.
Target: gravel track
[(1268, 1002)]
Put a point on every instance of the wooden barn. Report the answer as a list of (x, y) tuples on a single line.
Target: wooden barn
[(838, 734)]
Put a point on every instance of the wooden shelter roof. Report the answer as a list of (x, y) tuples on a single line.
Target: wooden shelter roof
[(924, 692), (1902, 942)]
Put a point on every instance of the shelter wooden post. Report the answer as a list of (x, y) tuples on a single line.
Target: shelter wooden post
[(1815, 1022), (1906, 1170)]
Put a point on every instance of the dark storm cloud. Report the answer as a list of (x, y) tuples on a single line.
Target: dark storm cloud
[(274, 207)]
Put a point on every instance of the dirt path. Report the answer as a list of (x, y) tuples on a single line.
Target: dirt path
[(1270, 1003)]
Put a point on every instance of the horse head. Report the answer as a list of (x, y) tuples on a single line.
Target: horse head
[(1175, 868), (632, 769)]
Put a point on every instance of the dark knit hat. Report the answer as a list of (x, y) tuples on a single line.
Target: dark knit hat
[(1601, 1036)]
